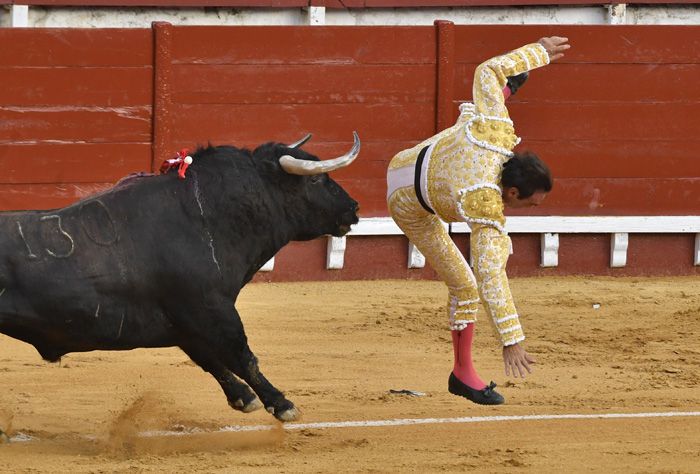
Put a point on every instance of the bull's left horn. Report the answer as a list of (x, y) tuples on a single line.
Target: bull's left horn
[(305, 167), (300, 142)]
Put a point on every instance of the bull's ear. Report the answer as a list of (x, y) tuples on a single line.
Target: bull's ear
[(271, 169)]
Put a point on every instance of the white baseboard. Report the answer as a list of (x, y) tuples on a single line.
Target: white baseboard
[(548, 226)]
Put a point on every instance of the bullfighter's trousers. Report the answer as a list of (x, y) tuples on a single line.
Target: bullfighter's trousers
[(429, 234)]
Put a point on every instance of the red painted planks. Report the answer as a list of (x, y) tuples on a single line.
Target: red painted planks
[(51, 47), (370, 193), (163, 92), (259, 123), (605, 121), (618, 159), (613, 44), (615, 141), (303, 84), (14, 197), (164, 3), (597, 83), (624, 196), (590, 254), (303, 45), (81, 86), (445, 73), (578, 254), (643, 253), (72, 163), (88, 124), (301, 261)]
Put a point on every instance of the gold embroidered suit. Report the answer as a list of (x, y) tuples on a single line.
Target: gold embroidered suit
[(461, 181)]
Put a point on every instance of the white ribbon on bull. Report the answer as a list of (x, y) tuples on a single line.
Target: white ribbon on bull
[(306, 167)]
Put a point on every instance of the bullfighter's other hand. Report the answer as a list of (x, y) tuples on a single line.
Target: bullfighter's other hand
[(555, 46), (517, 361)]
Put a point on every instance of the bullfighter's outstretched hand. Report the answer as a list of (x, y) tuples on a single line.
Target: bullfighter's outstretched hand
[(555, 46)]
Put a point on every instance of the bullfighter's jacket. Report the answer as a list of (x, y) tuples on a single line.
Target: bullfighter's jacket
[(463, 183)]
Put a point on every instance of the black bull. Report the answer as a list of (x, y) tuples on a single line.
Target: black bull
[(157, 261)]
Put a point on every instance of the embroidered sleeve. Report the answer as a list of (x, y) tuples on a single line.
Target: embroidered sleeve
[(491, 76), (490, 249)]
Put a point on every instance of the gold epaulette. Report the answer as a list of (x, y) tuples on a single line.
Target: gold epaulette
[(483, 204)]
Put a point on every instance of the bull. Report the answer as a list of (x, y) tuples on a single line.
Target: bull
[(158, 261)]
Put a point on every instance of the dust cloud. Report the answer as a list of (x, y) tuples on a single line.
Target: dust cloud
[(149, 426)]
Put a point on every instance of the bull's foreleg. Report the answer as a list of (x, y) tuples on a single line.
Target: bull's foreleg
[(274, 400), (239, 396), (218, 325)]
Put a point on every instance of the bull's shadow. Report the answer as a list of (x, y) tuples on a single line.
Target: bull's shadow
[(159, 261)]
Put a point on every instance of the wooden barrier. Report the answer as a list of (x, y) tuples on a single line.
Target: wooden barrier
[(615, 119)]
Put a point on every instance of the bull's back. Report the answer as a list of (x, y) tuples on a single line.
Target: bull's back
[(68, 279)]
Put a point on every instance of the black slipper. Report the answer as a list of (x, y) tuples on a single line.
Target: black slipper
[(485, 396)]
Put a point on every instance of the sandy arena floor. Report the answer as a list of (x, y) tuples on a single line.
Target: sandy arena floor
[(337, 349)]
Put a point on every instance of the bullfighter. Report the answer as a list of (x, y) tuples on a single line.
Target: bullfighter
[(468, 173)]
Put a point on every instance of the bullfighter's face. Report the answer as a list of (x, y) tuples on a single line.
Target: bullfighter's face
[(511, 198)]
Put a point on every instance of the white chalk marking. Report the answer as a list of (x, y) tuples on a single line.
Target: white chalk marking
[(66, 234), (121, 325), (21, 437), (424, 421), (204, 221), (21, 234)]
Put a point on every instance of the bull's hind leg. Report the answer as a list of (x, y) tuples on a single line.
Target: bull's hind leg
[(239, 396)]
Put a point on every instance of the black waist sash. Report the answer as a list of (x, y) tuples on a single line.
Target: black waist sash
[(416, 181)]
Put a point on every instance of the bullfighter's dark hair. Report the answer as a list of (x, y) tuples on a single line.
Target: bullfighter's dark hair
[(526, 172)]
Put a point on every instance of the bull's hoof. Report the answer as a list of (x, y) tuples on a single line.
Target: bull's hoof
[(3, 437), (288, 415), (286, 412), (246, 407), (255, 404)]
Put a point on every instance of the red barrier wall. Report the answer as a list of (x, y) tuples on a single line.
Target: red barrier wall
[(75, 112), (615, 118), (606, 117)]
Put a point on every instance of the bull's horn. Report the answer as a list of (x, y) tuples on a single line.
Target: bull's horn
[(300, 142), (306, 167)]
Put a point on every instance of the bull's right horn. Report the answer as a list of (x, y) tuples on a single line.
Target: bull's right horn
[(306, 167), (300, 142)]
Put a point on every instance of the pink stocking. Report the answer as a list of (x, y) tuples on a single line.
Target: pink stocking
[(464, 367)]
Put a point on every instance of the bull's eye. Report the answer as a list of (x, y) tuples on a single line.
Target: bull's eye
[(317, 178)]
